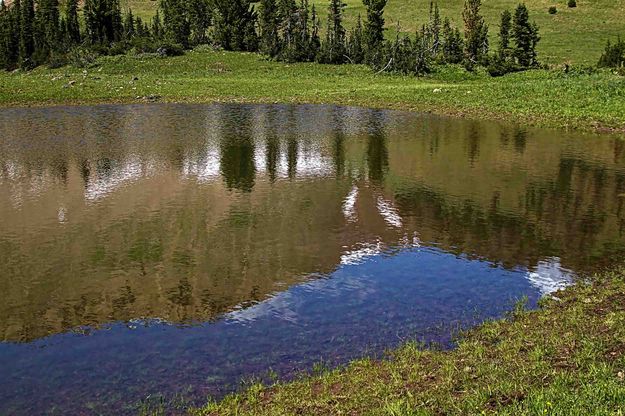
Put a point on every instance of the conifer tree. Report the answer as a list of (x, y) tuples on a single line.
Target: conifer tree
[(373, 31), (235, 25), (199, 20), (175, 21), (475, 33), (129, 25), (268, 22), (27, 32), (504, 35), (333, 49), (453, 45), (355, 47), (525, 35), (157, 26), (47, 31), (434, 28), (71, 22), (315, 40)]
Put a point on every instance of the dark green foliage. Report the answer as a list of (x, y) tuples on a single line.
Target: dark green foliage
[(572, 3), (355, 44), (157, 27), (72, 26), (553, 10), (176, 25), (129, 25), (504, 35), (373, 32), (27, 32), (103, 22), (525, 35), (475, 34), (234, 25), (200, 16), (453, 45), (613, 55), (333, 49), (268, 25)]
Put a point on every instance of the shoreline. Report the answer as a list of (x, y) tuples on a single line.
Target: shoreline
[(577, 102), (567, 357)]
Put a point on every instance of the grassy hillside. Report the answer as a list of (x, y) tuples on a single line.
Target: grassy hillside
[(572, 35)]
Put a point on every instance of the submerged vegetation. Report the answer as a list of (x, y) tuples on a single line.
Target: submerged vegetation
[(567, 358)]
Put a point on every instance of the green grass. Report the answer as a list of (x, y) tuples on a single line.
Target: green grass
[(567, 358), (575, 35), (541, 97)]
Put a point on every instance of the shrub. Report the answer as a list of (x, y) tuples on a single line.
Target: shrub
[(572, 3), (553, 10), (613, 55), (82, 57)]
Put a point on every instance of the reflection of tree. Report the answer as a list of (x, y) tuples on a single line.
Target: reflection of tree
[(377, 151), (520, 139), (237, 150), (473, 142), (272, 147), (85, 171)]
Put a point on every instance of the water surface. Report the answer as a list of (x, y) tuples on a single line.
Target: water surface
[(178, 250)]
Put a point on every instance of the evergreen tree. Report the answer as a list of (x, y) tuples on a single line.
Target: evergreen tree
[(525, 35), (355, 46), (103, 21), (176, 26), (333, 49), (315, 40), (268, 21), (235, 25), (199, 20), (504, 35), (434, 28), (613, 56), (373, 32), (475, 33), (27, 32), (453, 45), (47, 33), (71, 22), (129, 25), (157, 26)]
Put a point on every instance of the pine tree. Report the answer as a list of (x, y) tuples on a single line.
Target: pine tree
[(333, 49), (355, 47), (475, 33), (525, 35), (27, 35), (157, 26), (268, 27), (434, 29), (176, 22), (315, 40), (48, 18), (452, 44), (71, 22), (613, 55), (129, 25), (504, 35), (199, 20), (235, 25), (373, 32)]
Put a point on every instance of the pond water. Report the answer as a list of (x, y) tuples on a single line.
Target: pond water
[(176, 251)]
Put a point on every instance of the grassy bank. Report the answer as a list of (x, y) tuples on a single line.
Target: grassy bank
[(544, 98), (567, 358)]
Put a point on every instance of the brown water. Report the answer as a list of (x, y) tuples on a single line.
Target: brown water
[(113, 217)]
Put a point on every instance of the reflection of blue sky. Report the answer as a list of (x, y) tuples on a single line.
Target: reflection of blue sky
[(363, 306)]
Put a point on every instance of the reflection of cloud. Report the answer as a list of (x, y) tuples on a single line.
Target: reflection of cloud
[(205, 169), (106, 184), (307, 164), (349, 205), (361, 254), (549, 276), (389, 213)]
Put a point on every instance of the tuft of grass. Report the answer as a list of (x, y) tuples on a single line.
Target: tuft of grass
[(552, 98), (567, 358)]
